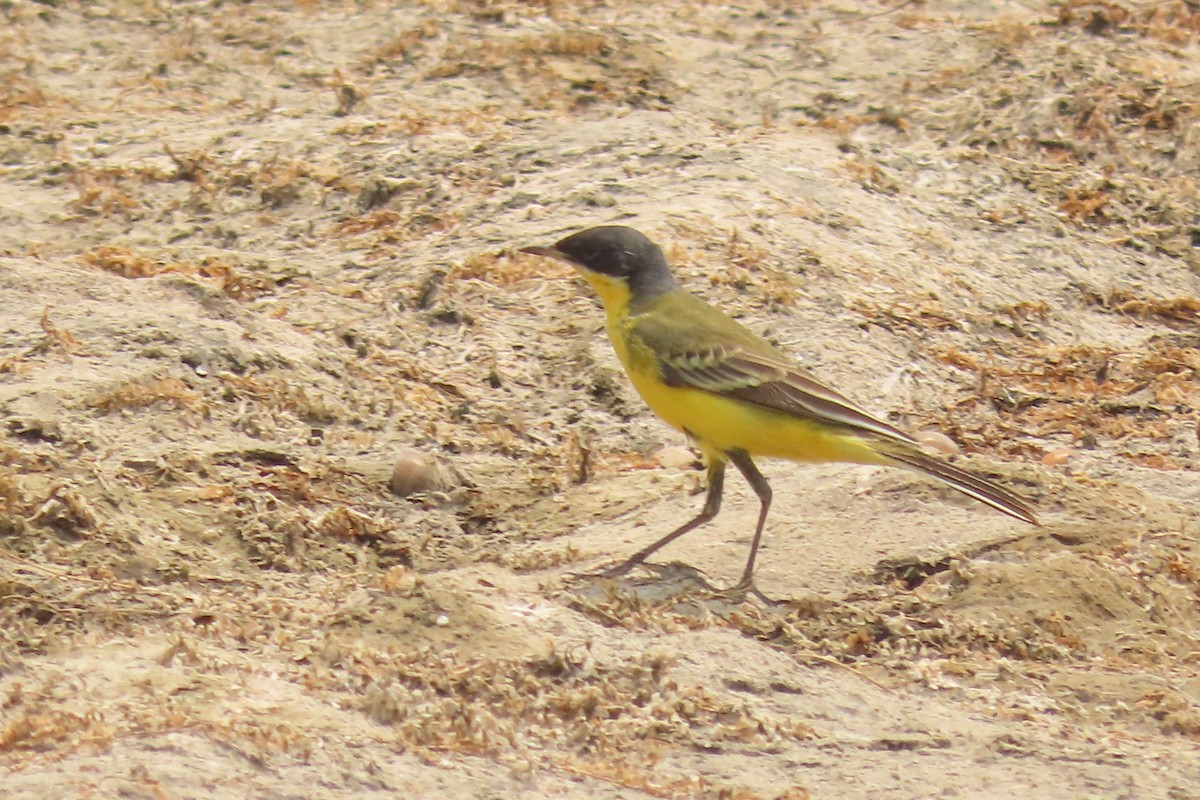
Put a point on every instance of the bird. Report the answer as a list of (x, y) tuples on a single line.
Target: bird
[(735, 395)]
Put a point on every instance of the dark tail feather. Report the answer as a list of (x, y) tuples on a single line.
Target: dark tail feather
[(982, 490)]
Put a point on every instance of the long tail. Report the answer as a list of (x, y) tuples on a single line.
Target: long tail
[(973, 486)]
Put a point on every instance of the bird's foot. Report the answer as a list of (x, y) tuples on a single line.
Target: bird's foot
[(676, 571), (624, 568), (744, 588)]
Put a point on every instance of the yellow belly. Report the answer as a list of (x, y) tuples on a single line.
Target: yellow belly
[(719, 424)]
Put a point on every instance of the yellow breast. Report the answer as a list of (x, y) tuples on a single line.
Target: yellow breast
[(719, 424)]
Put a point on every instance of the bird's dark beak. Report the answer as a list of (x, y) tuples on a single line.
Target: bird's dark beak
[(548, 252)]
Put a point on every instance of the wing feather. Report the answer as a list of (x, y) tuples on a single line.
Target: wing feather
[(720, 356), (725, 359), (771, 382)]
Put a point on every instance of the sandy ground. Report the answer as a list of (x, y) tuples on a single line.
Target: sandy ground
[(253, 254)]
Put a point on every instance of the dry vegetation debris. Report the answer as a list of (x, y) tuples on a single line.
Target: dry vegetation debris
[(301, 462)]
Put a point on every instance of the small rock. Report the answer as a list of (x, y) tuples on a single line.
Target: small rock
[(599, 199), (1057, 457), (415, 472), (379, 191), (936, 440), (675, 457), (36, 428), (521, 199)]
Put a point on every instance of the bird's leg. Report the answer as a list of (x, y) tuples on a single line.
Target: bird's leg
[(712, 504), (758, 483)]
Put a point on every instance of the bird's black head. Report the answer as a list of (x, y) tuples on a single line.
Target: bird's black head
[(616, 252)]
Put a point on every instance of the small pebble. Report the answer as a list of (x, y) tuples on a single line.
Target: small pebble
[(599, 199), (1057, 457), (674, 457), (938, 441), (415, 472)]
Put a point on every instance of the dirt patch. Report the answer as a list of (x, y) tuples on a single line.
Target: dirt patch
[(261, 263)]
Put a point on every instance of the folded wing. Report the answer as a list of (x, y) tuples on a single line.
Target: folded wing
[(774, 383), (770, 381)]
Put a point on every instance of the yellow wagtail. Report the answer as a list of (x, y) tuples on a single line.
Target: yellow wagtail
[(732, 392)]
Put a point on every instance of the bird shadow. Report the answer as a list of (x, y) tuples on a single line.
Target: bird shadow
[(670, 583)]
